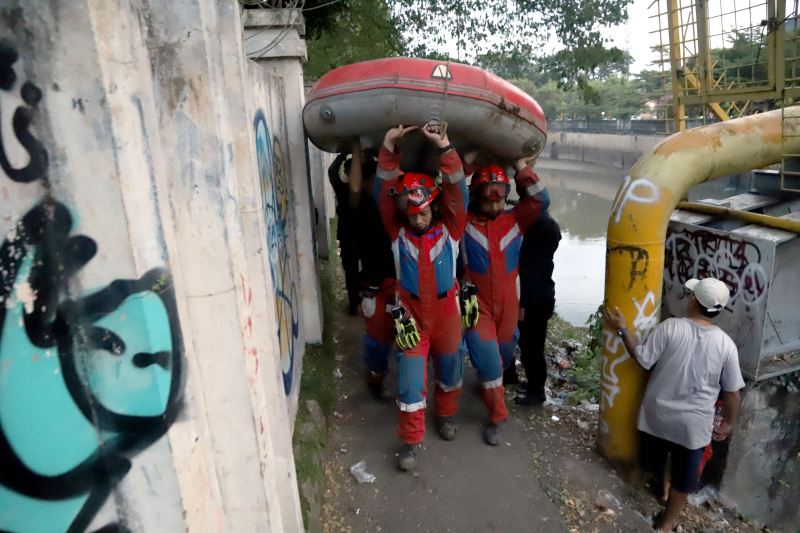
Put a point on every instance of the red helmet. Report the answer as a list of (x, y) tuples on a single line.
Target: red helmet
[(490, 181), (416, 192)]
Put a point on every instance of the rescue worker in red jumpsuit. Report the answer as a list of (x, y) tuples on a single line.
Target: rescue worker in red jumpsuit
[(374, 254), (491, 246), (425, 223)]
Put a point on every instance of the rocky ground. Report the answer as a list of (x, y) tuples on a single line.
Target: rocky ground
[(546, 476)]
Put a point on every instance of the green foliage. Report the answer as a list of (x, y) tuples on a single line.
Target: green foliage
[(617, 97), (357, 30), (587, 365), (365, 31)]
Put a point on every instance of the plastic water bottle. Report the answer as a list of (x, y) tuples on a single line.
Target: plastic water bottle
[(719, 415)]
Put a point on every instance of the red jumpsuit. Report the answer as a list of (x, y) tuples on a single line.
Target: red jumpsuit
[(492, 258), (426, 286)]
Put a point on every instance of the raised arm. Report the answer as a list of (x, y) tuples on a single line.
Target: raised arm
[(339, 187), (388, 170), (533, 196), (455, 196), (355, 176)]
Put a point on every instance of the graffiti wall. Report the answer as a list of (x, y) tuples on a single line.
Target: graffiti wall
[(150, 336), (89, 375), (281, 248), (744, 263)]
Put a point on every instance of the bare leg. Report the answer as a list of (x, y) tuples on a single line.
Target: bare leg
[(666, 485), (674, 504)]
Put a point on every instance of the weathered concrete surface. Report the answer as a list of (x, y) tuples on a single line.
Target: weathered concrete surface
[(762, 475), (273, 39), (141, 217), (620, 151)]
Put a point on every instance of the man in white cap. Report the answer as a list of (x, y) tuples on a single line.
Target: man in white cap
[(694, 363)]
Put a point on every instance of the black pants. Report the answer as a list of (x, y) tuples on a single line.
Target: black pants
[(349, 257), (532, 335)]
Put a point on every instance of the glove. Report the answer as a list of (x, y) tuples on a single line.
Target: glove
[(405, 328), (469, 305)]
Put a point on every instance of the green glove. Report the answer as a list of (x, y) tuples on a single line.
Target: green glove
[(405, 328), (469, 305)]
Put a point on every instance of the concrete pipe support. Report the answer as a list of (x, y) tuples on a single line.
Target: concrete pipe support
[(636, 234)]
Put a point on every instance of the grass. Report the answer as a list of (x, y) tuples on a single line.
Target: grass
[(317, 381), (587, 365)]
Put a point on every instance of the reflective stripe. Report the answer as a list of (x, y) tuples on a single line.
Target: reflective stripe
[(386, 174), (494, 383), (409, 246), (411, 407), (510, 236), (389, 307), (457, 386), (534, 189), (479, 237), (437, 248), (455, 177)]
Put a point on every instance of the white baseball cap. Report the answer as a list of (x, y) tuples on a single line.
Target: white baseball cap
[(710, 293)]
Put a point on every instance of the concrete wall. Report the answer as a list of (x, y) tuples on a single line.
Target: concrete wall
[(273, 39), (620, 151), (762, 475), (151, 338), (624, 127)]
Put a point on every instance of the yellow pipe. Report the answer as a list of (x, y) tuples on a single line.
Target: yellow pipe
[(746, 216), (636, 234)]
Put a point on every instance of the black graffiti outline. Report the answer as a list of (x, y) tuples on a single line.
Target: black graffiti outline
[(21, 121), (637, 256), (44, 231), (57, 321)]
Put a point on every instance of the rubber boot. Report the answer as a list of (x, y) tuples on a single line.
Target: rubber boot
[(407, 460), (447, 427), (492, 433)]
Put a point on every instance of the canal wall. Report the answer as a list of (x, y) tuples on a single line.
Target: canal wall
[(621, 151), (156, 270)]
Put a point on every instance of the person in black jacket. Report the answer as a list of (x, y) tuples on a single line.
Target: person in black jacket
[(346, 233), (537, 303), (372, 249)]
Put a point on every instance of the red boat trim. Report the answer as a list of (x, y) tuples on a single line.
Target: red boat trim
[(428, 86)]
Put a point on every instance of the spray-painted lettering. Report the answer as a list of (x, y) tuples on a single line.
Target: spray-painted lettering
[(276, 205), (706, 254), (641, 190), (86, 382)]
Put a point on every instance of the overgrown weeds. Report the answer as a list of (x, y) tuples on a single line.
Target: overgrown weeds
[(586, 368)]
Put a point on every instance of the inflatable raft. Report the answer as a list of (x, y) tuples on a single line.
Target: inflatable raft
[(365, 99)]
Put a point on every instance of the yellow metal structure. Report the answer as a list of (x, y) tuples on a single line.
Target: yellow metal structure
[(635, 249), (730, 57), (745, 216)]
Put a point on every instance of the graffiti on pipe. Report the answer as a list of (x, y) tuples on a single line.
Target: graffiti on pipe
[(641, 190), (276, 206), (85, 382), (704, 254), (643, 325), (609, 381), (640, 260)]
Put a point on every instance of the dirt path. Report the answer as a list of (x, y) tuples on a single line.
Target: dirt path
[(544, 477), (460, 486)]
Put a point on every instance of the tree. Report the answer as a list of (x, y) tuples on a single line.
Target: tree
[(365, 31), (422, 27)]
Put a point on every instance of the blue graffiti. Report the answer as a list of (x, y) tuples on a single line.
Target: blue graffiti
[(276, 206), (85, 383)]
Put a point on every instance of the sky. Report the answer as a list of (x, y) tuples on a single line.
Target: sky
[(634, 36)]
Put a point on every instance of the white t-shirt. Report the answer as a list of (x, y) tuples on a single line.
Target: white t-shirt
[(694, 361)]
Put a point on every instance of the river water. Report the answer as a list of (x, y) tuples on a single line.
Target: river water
[(581, 195)]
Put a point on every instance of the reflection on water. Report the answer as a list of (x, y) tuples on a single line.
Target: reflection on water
[(581, 195)]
